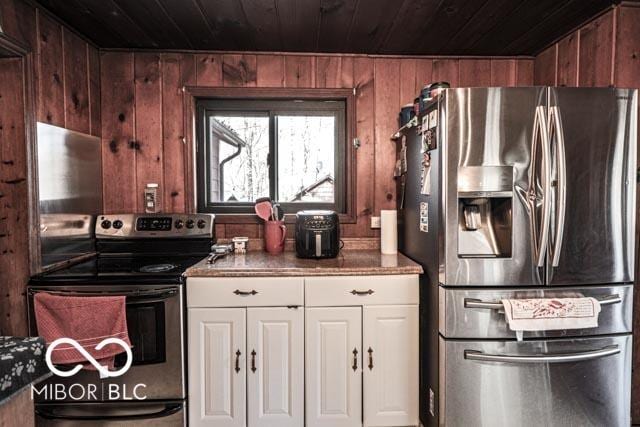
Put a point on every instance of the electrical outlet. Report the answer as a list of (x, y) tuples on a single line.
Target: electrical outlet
[(375, 222)]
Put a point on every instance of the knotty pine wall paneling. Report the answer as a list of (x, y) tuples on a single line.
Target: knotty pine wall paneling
[(387, 102), (596, 52), (51, 108), (363, 79), (143, 122), (66, 73), (545, 67), (604, 52), (77, 115), (118, 133), (148, 124), (567, 61), (14, 197)]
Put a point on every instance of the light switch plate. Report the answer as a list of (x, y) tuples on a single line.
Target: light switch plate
[(375, 222)]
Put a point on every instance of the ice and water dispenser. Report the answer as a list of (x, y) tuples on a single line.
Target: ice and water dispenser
[(485, 198)]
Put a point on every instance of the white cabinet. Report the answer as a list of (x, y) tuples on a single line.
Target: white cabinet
[(217, 368), (347, 356), (362, 357), (390, 345), (246, 367), (275, 386), (334, 367)]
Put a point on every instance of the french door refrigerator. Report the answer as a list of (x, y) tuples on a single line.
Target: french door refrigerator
[(515, 193)]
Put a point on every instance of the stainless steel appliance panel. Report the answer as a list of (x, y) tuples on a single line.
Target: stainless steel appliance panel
[(593, 225), (159, 225), (70, 192), (164, 379), (566, 382), (491, 138), (160, 414), (478, 313)]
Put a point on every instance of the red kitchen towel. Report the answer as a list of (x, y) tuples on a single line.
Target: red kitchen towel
[(87, 320)]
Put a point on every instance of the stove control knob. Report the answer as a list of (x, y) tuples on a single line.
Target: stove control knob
[(202, 223), (190, 223), (105, 224), (117, 224), (179, 224)]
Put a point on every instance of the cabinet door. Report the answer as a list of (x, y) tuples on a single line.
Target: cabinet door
[(390, 352), (334, 367), (275, 364), (217, 367)]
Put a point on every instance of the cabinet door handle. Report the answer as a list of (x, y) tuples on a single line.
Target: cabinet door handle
[(355, 360), (361, 293), (238, 361), (370, 351), (245, 293), (253, 360)]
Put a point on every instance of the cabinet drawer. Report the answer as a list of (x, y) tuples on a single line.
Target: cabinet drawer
[(361, 290), (244, 291)]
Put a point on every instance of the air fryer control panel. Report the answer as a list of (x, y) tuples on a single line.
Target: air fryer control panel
[(319, 223)]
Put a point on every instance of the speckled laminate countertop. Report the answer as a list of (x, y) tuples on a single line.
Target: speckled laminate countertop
[(348, 263)]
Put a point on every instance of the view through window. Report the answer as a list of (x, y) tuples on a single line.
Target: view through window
[(287, 150)]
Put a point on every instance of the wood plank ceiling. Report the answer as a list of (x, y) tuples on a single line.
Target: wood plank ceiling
[(421, 27)]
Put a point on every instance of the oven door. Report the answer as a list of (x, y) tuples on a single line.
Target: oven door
[(559, 382), (155, 326)]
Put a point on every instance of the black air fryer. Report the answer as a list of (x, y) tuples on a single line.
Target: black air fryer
[(317, 234)]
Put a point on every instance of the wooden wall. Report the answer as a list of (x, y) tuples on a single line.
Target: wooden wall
[(143, 124), (604, 52), (14, 220), (66, 72)]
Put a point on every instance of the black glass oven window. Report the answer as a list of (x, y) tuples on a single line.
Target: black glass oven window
[(146, 324)]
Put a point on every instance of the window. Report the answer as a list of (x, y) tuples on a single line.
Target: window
[(293, 151)]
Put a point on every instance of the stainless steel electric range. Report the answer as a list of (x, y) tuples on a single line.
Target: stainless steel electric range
[(142, 257)]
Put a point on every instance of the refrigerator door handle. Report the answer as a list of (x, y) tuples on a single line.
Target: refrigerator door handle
[(540, 132), (476, 303), (543, 358), (555, 125)]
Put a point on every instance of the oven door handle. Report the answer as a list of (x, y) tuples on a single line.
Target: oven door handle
[(543, 358), (133, 293), (169, 409)]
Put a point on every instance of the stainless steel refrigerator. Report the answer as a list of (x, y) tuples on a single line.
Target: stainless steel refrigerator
[(514, 193)]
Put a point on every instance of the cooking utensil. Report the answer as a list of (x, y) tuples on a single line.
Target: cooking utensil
[(264, 208), (278, 213), (219, 251)]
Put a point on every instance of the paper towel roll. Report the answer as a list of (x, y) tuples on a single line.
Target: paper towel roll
[(389, 232)]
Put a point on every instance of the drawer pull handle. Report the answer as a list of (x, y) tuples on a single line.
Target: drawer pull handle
[(245, 293), (355, 360), (253, 360), (367, 292), (238, 361), (370, 351), (543, 357), (476, 303)]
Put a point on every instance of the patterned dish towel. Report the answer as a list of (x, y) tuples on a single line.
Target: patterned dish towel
[(546, 314)]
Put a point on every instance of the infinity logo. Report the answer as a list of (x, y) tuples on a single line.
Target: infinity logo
[(102, 369)]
